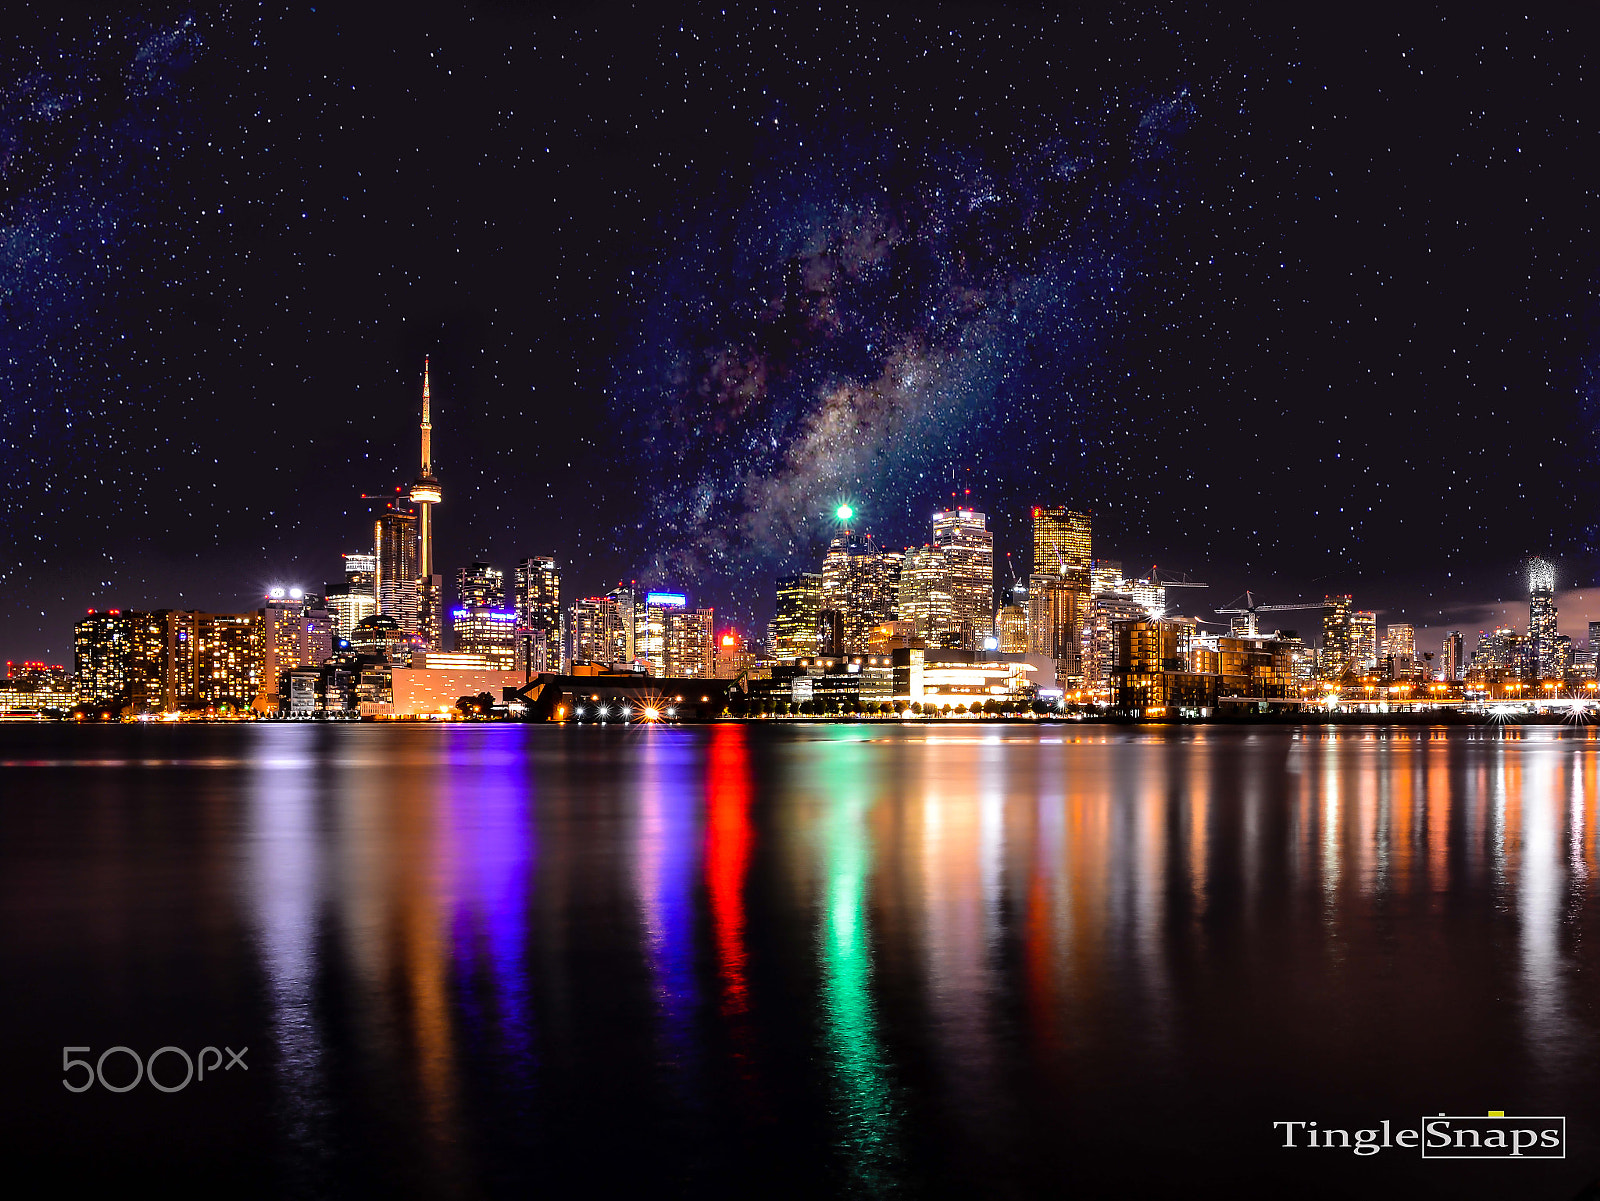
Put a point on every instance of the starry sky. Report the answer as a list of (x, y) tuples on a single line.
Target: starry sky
[(1294, 303)]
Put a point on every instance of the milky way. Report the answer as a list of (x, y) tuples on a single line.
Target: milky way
[(869, 321)]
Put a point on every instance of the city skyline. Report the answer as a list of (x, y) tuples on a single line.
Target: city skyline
[(1181, 289)]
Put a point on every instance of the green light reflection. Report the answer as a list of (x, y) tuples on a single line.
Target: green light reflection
[(865, 1113)]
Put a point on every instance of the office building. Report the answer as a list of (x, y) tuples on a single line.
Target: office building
[(1363, 640), (1544, 649), (395, 548), (537, 585), (623, 597), (1057, 606), (598, 633), (968, 545), (487, 633), (650, 629), (925, 598), (481, 587), (1400, 649), (1011, 630), (855, 584), (687, 644), (347, 608), (296, 631), (361, 572), (1336, 656), (794, 627), (1105, 576), (1452, 657), (1062, 544)]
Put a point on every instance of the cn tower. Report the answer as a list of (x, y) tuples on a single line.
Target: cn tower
[(425, 494)]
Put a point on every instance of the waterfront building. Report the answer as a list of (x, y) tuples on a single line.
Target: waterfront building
[(1099, 638), (968, 545), (296, 631), (1336, 655), (100, 656), (794, 627), (1011, 630), (37, 688), (687, 644), (1057, 605), (214, 660), (486, 633), (650, 629), (925, 598), (537, 600), (1544, 650), (1364, 640), (855, 584), (599, 631), (1400, 650), (1452, 657), (396, 580)]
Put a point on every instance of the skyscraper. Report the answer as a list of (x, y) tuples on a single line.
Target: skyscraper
[(425, 494), (1336, 652), (100, 656), (538, 606), (795, 624), (1452, 657), (1400, 648), (1059, 586), (395, 547), (1544, 650), (925, 597), (598, 631), (1363, 639), (687, 644), (650, 628), (855, 584), (968, 546), (1062, 542), (481, 586), (295, 632)]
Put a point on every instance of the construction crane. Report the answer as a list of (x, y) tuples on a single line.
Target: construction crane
[(1250, 608)]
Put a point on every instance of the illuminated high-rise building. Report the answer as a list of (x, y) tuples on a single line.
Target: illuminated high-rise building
[(855, 584), (100, 656), (1399, 642), (622, 596), (361, 572), (214, 659), (481, 586), (395, 549), (1544, 648), (650, 628), (488, 631), (1099, 638), (794, 627), (1062, 543), (1336, 650), (348, 608), (597, 631), (968, 545), (425, 493), (687, 644), (1057, 606), (1452, 657), (1363, 639), (925, 597), (734, 656), (1011, 630), (1105, 576), (295, 632), (538, 604)]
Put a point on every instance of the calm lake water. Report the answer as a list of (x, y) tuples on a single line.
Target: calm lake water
[(797, 961)]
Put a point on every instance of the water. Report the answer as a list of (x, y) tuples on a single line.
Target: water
[(805, 961)]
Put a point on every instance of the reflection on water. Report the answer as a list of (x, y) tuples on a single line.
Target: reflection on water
[(823, 960)]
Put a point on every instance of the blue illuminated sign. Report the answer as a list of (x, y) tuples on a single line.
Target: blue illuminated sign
[(668, 600)]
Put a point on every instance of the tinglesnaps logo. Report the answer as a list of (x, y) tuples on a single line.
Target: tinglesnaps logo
[(1494, 1136)]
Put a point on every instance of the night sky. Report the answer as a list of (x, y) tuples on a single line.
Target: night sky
[(1295, 307)]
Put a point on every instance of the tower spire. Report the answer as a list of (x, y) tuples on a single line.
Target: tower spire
[(427, 424)]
